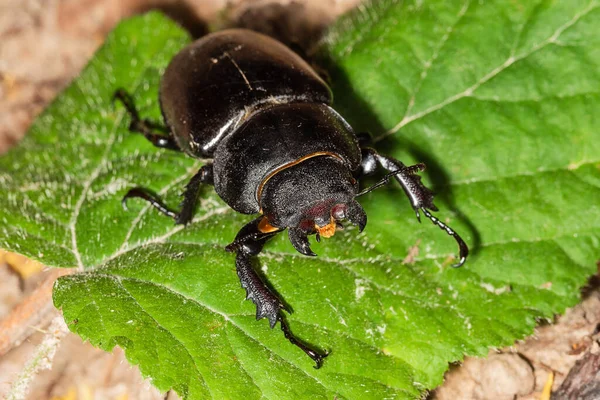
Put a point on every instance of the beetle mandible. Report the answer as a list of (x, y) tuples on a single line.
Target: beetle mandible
[(278, 149)]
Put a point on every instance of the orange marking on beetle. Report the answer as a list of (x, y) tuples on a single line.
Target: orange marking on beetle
[(328, 230), (265, 227)]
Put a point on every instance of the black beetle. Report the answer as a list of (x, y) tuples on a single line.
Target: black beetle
[(263, 116)]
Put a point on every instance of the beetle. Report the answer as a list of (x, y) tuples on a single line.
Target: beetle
[(263, 116)]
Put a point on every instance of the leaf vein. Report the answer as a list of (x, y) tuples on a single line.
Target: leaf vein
[(225, 316), (119, 280), (539, 171), (487, 77), (429, 63), (164, 237)]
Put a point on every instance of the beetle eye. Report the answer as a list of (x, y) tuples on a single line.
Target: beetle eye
[(339, 211)]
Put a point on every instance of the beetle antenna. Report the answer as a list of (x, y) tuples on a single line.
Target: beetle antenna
[(380, 183), (462, 246)]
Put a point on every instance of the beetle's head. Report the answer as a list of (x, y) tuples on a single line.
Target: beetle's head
[(312, 197)]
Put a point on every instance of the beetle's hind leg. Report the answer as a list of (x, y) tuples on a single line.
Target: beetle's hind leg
[(247, 244), (144, 126), (190, 196)]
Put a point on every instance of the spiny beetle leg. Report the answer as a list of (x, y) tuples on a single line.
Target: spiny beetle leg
[(190, 196), (144, 126), (249, 243), (420, 196), (267, 304)]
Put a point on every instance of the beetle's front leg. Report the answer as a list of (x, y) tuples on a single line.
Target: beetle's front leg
[(249, 243), (421, 197)]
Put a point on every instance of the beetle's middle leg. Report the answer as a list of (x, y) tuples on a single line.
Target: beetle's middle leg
[(144, 126), (249, 243), (190, 196)]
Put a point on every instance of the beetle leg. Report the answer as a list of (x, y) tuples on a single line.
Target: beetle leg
[(192, 192), (145, 126), (368, 164), (364, 139), (421, 197), (248, 243), (190, 196), (151, 198)]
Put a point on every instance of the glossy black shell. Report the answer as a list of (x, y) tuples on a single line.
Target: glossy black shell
[(252, 105), (211, 86)]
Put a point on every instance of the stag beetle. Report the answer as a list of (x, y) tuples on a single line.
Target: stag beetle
[(278, 149)]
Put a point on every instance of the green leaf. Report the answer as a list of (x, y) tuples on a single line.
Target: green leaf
[(499, 99)]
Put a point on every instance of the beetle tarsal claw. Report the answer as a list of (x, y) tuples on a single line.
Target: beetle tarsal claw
[(316, 355), (463, 249), (418, 215)]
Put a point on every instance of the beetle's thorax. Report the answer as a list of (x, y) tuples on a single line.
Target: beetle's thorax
[(276, 140)]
